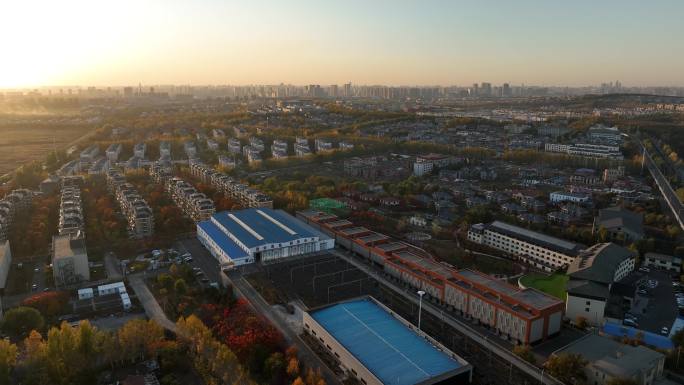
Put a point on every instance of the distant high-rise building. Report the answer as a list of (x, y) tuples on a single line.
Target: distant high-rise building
[(486, 89), (507, 90), (128, 92), (332, 91), (348, 90)]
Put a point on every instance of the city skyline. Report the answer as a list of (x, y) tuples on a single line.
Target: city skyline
[(386, 43)]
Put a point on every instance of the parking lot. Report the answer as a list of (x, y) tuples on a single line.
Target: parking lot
[(201, 259), (654, 306)]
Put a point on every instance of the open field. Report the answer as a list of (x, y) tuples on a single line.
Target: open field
[(551, 284), (20, 144)]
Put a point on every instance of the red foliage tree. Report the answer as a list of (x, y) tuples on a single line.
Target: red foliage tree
[(49, 304), (242, 330)]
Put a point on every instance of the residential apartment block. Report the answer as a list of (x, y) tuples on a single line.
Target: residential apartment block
[(194, 204), (246, 196), (138, 213), (537, 249)]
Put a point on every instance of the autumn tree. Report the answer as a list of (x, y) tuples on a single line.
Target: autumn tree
[(8, 358), (138, 338), (567, 367), (524, 352), (214, 361)]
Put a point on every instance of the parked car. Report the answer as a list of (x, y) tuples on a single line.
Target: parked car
[(630, 322)]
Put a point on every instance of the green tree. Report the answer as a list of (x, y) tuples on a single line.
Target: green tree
[(19, 321), (567, 367), (180, 287)]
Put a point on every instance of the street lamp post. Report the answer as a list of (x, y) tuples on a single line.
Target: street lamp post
[(420, 306)]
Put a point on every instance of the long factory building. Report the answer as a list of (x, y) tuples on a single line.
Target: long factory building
[(263, 235), (522, 315)]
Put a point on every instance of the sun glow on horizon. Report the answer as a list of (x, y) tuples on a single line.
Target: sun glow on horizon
[(47, 43), (397, 42)]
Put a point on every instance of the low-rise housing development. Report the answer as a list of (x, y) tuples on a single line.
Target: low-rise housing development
[(588, 150), (226, 161), (194, 204), (13, 204), (591, 276), (663, 261), (252, 154), (621, 224), (301, 147), (566, 196), (190, 149), (246, 196), (138, 213), (279, 149), (424, 164), (139, 150), (537, 249), (113, 152), (71, 219), (88, 156), (323, 145), (212, 145), (164, 149), (234, 146)]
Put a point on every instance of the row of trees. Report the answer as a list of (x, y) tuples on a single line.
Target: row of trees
[(68, 355), (31, 233)]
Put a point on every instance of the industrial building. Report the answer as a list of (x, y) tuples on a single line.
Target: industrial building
[(539, 250), (520, 315), (258, 235), (378, 347)]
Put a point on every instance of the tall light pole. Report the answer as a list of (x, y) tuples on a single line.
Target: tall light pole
[(420, 306)]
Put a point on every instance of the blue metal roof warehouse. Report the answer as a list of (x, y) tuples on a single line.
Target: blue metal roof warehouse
[(385, 346), (258, 234)]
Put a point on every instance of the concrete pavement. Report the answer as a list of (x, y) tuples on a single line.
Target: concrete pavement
[(149, 303)]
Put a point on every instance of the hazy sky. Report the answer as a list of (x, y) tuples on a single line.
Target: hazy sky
[(123, 42)]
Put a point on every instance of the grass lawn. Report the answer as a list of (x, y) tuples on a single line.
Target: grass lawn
[(550, 284)]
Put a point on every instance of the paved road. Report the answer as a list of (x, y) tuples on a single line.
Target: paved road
[(463, 328), (149, 303), (245, 290), (112, 266)]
